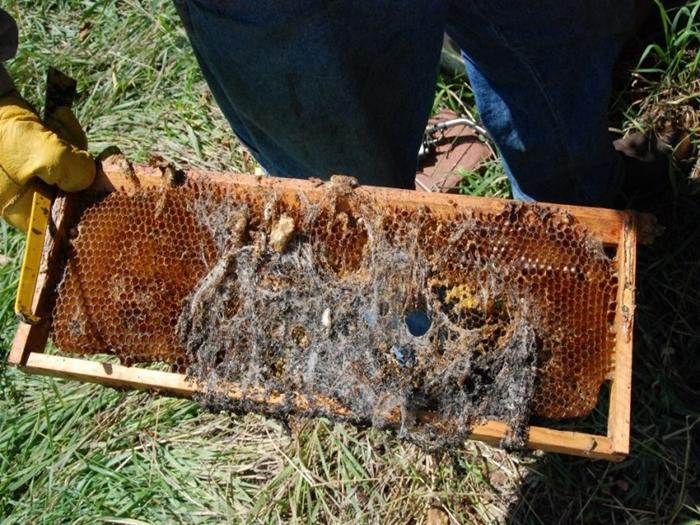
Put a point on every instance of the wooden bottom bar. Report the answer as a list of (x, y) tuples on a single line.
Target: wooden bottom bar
[(119, 376)]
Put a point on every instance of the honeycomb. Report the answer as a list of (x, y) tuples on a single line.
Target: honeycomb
[(137, 261), (131, 265)]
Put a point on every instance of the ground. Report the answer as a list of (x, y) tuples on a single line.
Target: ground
[(79, 453)]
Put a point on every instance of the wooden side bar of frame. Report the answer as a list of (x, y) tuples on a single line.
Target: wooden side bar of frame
[(619, 412), (613, 228)]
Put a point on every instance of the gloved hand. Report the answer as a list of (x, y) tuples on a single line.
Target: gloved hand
[(30, 150)]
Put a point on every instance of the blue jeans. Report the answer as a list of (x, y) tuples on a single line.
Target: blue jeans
[(316, 87)]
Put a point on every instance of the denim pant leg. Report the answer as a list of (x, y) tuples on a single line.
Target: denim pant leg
[(315, 88), (541, 73)]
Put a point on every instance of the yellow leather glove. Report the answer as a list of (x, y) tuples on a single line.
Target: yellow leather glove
[(30, 150)]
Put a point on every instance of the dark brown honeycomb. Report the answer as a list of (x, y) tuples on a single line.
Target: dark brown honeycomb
[(138, 256)]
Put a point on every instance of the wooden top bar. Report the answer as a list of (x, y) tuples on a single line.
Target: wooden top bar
[(603, 224)]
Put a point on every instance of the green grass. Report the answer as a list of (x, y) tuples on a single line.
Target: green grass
[(139, 83), (78, 453), (675, 58), (489, 179), (666, 81)]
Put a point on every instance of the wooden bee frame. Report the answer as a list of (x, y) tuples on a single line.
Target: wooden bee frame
[(617, 230)]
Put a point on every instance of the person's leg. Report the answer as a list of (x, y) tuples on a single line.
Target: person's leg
[(316, 88), (541, 73)]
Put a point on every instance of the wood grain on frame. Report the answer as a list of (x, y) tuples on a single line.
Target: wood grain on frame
[(614, 228)]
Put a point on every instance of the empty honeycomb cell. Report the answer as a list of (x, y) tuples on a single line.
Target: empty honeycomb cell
[(137, 272)]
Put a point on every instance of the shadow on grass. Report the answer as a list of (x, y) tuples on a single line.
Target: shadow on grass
[(659, 482)]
